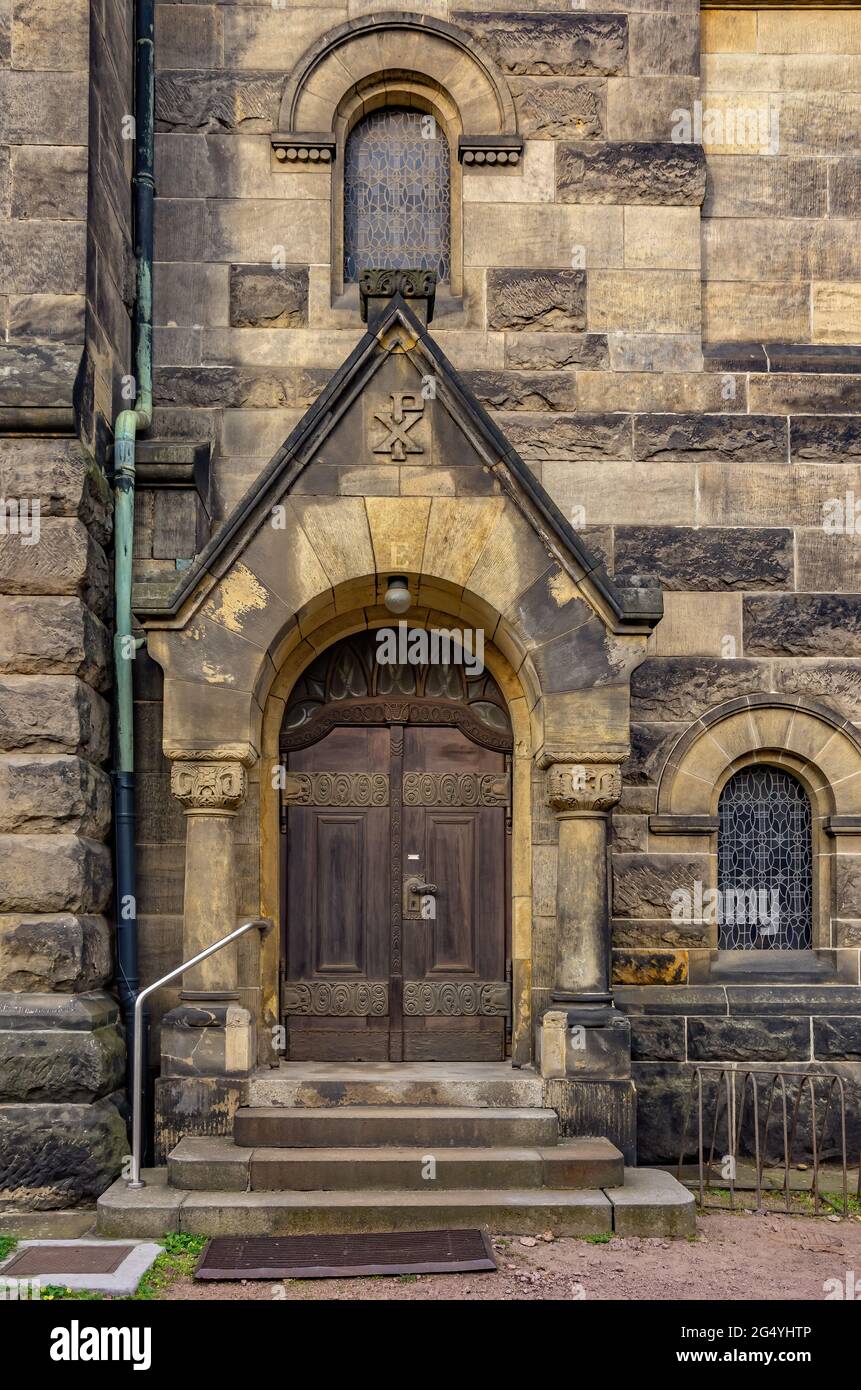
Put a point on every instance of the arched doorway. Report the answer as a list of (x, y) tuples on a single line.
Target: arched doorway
[(395, 857)]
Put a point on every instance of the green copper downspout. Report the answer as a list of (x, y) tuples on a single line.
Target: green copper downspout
[(126, 428)]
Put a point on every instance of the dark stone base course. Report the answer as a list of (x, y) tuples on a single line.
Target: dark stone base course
[(59, 1155), (663, 1098)]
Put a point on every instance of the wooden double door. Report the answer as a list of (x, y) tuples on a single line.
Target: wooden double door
[(396, 893)]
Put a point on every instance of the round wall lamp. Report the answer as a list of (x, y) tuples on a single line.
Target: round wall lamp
[(398, 597)]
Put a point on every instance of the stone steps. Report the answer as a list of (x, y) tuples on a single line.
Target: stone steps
[(651, 1203), (218, 1165), (482, 1084), (363, 1126)]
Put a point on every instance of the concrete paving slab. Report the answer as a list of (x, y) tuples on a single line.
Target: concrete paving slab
[(121, 1281)]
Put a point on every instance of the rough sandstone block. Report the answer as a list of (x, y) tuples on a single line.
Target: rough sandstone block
[(524, 390), (53, 635), (550, 44), (38, 374), (654, 172), (64, 479), (54, 952), (56, 1047), (643, 885), (213, 101), (569, 437), (43, 793), (58, 1155), (693, 437), (748, 1039), (683, 688), (707, 558), (49, 183), (536, 299), (644, 301), (538, 351), (549, 109), (64, 560), (264, 297), (52, 714), (53, 873), (803, 625)]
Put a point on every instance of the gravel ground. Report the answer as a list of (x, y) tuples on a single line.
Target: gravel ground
[(734, 1256)]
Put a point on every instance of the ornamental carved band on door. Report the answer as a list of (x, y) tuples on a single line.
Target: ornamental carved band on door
[(395, 862)]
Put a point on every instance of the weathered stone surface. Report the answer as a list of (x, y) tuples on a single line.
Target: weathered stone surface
[(266, 297), (524, 391), (650, 747), (657, 1039), (53, 873), (653, 172), (60, 316), (50, 714), (537, 351), (58, 1155), (825, 436), (60, 474), (43, 793), (643, 935), (692, 999), (837, 1037), (42, 257), (803, 625), (58, 635), (664, 43), (49, 182), (64, 560), (644, 884), (238, 387), (683, 688), (587, 436), (748, 1039), (836, 683), (630, 833), (58, 1065), (650, 967), (844, 187), (551, 43), (722, 437), (212, 101), (536, 299), (549, 109), (38, 374), (43, 108), (55, 952), (707, 558)]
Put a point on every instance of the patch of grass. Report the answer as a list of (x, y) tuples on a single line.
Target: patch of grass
[(51, 1292), (178, 1261), (7, 1245), (603, 1238), (407, 1278)]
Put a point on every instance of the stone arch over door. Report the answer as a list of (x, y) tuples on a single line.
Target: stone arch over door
[(819, 748)]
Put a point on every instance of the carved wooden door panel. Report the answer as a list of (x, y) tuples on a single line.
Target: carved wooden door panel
[(455, 802), (336, 985)]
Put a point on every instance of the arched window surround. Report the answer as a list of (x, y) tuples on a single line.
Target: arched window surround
[(818, 747)]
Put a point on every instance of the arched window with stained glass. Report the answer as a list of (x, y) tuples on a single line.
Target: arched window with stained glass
[(765, 862)]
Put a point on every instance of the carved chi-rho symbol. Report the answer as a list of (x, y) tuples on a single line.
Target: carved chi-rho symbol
[(406, 410)]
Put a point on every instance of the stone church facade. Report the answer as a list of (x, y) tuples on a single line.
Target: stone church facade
[(550, 317)]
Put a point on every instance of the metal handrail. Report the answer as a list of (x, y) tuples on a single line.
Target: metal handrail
[(264, 924)]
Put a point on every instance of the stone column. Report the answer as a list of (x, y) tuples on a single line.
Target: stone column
[(585, 1043), (208, 1042), (581, 794), (211, 793)]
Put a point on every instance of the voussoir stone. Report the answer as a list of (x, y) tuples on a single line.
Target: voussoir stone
[(54, 951), (48, 714), (551, 43), (649, 171), (58, 1155), (53, 873), (707, 558), (41, 635), (536, 299), (46, 792), (268, 297)]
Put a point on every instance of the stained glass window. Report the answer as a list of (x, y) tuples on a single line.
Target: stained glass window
[(397, 195), (765, 871)]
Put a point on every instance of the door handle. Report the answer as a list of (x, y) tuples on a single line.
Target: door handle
[(415, 889)]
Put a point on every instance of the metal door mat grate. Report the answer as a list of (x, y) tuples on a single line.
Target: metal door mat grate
[(66, 1259), (334, 1257)]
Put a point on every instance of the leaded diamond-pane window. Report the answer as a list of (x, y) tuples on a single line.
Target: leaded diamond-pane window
[(397, 195), (765, 872)]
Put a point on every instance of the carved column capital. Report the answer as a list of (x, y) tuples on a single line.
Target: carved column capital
[(583, 788), (214, 787)]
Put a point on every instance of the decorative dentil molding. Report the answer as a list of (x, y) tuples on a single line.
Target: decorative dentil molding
[(585, 787), (209, 786)]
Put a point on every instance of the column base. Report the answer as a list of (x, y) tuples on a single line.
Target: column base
[(586, 1042), (596, 1108), (208, 1039)]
